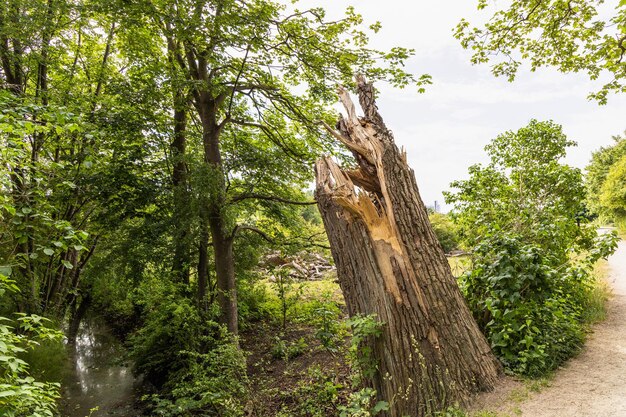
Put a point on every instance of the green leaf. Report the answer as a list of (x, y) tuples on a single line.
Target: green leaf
[(380, 406), (7, 393), (67, 264), (48, 251)]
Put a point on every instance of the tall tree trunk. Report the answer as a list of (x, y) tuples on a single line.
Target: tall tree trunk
[(182, 256), (77, 313), (225, 273), (216, 216), (203, 261), (431, 352)]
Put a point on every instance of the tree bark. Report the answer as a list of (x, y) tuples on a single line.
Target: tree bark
[(182, 257), (215, 215), (225, 274), (77, 313), (431, 353)]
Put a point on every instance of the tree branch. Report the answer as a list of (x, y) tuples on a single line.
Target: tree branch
[(261, 233)]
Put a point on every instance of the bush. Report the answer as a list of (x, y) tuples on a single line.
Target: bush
[(212, 384), (20, 393), (170, 328), (328, 327), (445, 230), (530, 311), (193, 362), (285, 350)]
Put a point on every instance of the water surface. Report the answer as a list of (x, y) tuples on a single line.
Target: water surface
[(97, 376)]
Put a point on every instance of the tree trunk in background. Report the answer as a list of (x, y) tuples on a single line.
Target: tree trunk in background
[(225, 273), (182, 257), (214, 215), (77, 313), (431, 353)]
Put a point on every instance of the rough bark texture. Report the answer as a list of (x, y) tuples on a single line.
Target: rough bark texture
[(431, 353), (182, 256)]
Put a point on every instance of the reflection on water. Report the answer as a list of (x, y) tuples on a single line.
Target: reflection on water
[(97, 377)]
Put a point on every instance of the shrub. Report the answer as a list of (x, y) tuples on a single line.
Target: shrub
[(170, 327), (328, 327), (193, 362), (445, 230), (317, 395), (20, 393), (212, 384), (365, 329), (362, 403), (285, 350), (530, 311)]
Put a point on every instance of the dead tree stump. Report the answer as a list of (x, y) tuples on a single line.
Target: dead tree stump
[(389, 263)]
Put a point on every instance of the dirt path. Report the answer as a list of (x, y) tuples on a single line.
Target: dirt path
[(594, 383)]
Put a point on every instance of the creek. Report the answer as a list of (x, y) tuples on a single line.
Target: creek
[(96, 377)]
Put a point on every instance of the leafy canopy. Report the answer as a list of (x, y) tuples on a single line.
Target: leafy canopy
[(572, 36), (603, 195), (613, 191)]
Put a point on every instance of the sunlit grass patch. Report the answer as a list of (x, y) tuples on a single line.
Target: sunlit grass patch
[(459, 264), (598, 295)]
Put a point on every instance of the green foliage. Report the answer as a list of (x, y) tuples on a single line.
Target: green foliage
[(316, 395), (38, 240), (213, 383), (525, 190), (286, 350), (196, 365), (445, 230), (363, 403), (532, 313), (365, 329), (171, 325), (47, 361), (253, 300), (328, 327), (288, 291), (20, 393), (533, 256), (572, 36), (602, 161), (613, 191)]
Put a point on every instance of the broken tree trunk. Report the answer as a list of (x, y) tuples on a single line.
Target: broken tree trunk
[(431, 353)]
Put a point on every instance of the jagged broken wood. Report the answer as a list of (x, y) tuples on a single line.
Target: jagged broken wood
[(431, 353)]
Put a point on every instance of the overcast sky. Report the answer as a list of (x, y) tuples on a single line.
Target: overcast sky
[(445, 130)]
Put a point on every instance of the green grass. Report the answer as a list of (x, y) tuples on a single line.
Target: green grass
[(459, 264), (303, 298), (595, 308)]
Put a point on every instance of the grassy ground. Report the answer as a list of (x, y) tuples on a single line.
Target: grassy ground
[(600, 293), (459, 264), (292, 371)]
